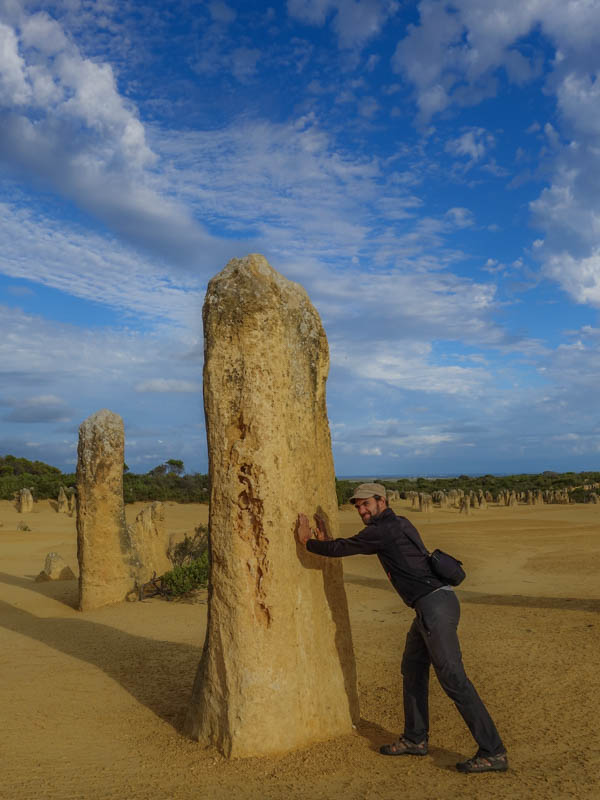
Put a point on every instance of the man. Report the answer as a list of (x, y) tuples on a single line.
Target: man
[(432, 638)]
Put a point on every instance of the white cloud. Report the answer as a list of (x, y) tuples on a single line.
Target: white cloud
[(221, 12), (95, 268), (385, 437), (66, 126), (354, 21), (460, 217), (169, 386), (408, 366), (579, 102), (41, 32), (579, 277), (45, 352), (40, 409), (450, 57), (55, 375), (14, 88), (453, 54), (472, 144)]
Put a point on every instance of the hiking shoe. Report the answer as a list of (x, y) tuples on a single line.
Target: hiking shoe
[(498, 763), (404, 747)]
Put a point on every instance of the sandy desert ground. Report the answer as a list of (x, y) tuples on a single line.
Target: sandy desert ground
[(92, 703)]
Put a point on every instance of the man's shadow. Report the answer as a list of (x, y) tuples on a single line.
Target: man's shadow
[(158, 674), (377, 735)]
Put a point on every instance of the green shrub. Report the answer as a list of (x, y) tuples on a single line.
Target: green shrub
[(187, 577), (191, 548), (344, 490)]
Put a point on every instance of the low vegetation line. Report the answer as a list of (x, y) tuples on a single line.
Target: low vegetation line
[(169, 481)]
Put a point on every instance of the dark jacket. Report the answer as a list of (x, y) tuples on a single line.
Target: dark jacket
[(385, 536)]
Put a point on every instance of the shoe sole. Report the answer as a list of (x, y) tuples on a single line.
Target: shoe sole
[(402, 752), (467, 771)]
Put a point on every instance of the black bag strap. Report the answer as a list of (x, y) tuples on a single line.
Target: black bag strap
[(420, 547)]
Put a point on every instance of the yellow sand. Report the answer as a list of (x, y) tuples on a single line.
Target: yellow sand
[(92, 703)]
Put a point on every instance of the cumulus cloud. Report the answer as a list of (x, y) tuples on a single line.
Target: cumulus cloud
[(473, 144), (452, 54), (451, 58), (354, 21), (14, 88), (64, 124), (579, 277)]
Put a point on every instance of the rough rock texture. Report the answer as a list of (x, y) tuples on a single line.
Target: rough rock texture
[(149, 541), (25, 501), (106, 561), (55, 569), (277, 671), (425, 502), (63, 501), (72, 503)]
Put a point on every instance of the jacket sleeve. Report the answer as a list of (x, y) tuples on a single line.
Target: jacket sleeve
[(365, 543)]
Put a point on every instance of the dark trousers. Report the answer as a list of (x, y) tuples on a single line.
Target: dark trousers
[(433, 639)]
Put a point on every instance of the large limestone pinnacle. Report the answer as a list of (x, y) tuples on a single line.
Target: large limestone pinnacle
[(277, 671), (106, 561)]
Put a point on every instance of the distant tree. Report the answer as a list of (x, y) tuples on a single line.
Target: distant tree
[(344, 490), (175, 466), (158, 471)]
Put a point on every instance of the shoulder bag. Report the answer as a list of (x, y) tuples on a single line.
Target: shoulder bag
[(443, 565)]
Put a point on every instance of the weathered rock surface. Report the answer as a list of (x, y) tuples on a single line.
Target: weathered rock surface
[(63, 501), (55, 569), (107, 563), (425, 502), (25, 501), (149, 542), (277, 671)]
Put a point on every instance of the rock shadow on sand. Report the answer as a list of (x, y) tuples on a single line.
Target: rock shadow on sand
[(158, 674), (66, 592)]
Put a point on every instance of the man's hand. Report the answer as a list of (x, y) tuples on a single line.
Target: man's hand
[(321, 531), (303, 531)]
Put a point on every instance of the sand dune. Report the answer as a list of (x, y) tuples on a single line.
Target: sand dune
[(92, 703)]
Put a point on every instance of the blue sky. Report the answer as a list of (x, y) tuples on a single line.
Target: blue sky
[(427, 171)]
